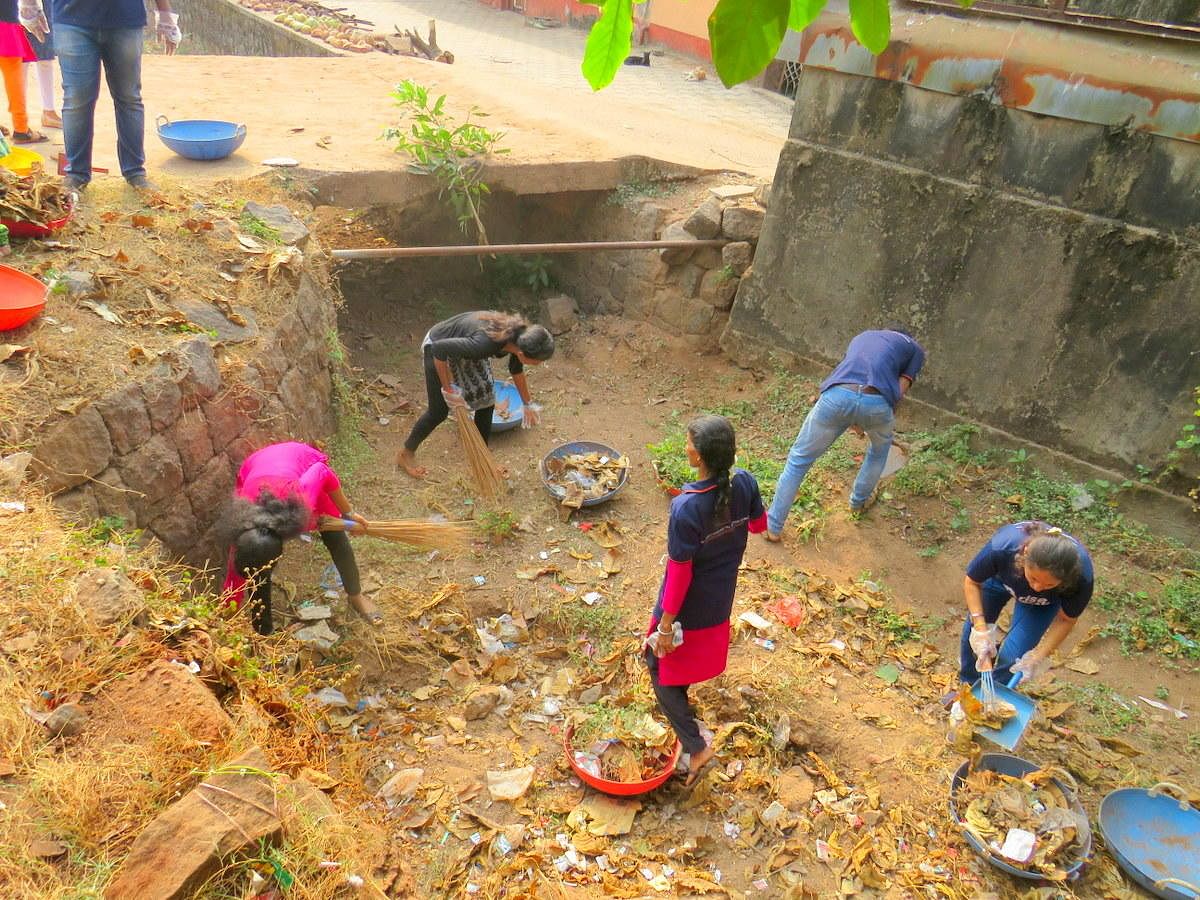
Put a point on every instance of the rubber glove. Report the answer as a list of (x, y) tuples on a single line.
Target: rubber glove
[(454, 399), (985, 641), (33, 18), (531, 416), (168, 30), (1031, 666)]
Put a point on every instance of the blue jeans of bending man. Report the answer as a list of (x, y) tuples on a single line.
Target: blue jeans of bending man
[(837, 409), (81, 54), (1029, 624)]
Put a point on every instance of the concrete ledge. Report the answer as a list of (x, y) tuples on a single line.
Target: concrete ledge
[(223, 28)]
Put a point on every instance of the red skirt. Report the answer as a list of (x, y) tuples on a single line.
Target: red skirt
[(702, 655), (13, 42)]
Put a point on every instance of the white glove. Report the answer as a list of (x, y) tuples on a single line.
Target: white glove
[(454, 399), (168, 30), (1031, 666), (985, 641), (33, 18), (531, 416)]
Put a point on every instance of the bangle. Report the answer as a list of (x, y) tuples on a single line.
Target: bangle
[(978, 615), (670, 630)]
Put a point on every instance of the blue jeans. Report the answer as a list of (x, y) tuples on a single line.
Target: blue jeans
[(837, 409), (81, 52), (1029, 623)]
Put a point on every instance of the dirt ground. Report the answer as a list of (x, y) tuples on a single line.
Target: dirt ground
[(622, 383)]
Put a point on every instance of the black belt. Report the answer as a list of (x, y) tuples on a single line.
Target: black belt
[(857, 388)]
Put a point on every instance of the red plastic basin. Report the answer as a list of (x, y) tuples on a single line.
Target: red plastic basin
[(620, 788), (22, 297)]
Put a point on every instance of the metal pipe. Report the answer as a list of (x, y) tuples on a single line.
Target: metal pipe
[(489, 249)]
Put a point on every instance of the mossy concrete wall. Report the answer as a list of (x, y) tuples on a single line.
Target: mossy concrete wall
[(223, 28), (1051, 268)]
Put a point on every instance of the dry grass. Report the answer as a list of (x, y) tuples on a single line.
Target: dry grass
[(483, 467)]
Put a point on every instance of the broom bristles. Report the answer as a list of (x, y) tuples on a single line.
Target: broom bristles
[(479, 458), (417, 532)]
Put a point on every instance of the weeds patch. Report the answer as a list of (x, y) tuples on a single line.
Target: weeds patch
[(1167, 622), (1113, 712)]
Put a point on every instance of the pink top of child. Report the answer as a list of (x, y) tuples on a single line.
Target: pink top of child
[(291, 468)]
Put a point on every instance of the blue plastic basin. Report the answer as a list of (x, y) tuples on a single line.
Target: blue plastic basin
[(506, 390), (201, 138)]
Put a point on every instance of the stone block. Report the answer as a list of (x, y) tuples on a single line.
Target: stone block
[(762, 195), (212, 489), (705, 221), (192, 839), (696, 316), (669, 308), (292, 335), (164, 401), (559, 313), (742, 223), (108, 597), (113, 497), (718, 290), (153, 469), (78, 506), (204, 315), (176, 527), (189, 435), (291, 230), (74, 450), (646, 221), (125, 416), (226, 420), (708, 258), (737, 256), (134, 708), (689, 278), (297, 394), (673, 256), (194, 368)]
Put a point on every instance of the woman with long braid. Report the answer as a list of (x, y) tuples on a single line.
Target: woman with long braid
[(706, 540), (458, 372)]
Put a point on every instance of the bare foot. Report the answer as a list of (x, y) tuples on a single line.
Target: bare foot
[(772, 538), (407, 460), (366, 608), (698, 762)]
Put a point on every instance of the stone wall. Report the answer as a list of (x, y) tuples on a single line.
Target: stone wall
[(162, 453), (1050, 268), (222, 28)]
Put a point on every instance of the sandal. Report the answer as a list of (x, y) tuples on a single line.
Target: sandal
[(28, 137), (693, 775)]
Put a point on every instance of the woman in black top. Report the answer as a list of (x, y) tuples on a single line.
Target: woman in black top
[(458, 371)]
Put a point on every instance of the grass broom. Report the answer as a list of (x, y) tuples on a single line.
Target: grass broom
[(483, 468), (414, 532)]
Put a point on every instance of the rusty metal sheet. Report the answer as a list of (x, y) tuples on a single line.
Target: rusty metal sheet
[(1145, 83)]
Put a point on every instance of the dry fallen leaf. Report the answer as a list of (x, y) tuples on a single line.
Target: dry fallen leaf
[(8, 351), (611, 563), (103, 312), (142, 221), (1083, 665)]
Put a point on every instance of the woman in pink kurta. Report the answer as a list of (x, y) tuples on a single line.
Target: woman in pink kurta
[(281, 491), (706, 540)]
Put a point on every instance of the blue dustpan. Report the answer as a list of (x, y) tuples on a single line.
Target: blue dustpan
[(1008, 737)]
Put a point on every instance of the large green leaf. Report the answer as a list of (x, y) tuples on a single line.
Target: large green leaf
[(608, 43), (745, 34), (871, 22), (803, 13)]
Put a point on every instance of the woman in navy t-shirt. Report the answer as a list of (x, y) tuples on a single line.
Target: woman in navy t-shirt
[(1048, 573), (706, 539)]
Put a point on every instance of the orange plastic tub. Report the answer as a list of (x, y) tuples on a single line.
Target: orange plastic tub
[(22, 298), (621, 788)]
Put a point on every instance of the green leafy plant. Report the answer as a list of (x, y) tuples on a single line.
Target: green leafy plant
[(497, 524), (1166, 623), (744, 35), (451, 152), (1189, 440), (506, 273), (1113, 711), (252, 225)]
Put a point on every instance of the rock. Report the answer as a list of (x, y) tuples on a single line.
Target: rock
[(73, 451), (705, 221), (559, 313), (133, 709), (401, 785), (12, 469), (690, 277), (794, 788), (190, 437), (731, 191), (194, 368), (773, 813), (164, 401), (208, 317), (210, 491), (124, 413), (591, 695), (66, 720), (78, 506), (291, 230), (646, 221), (189, 842), (109, 597), (762, 194), (303, 806), (708, 258), (697, 316), (320, 636), (742, 223), (673, 256), (153, 469), (718, 289), (313, 613), (481, 703), (44, 849), (76, 283), (737, 256), (176, 526)]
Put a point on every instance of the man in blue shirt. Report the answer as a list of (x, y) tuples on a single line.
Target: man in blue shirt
[(861, 394), (89, 34)]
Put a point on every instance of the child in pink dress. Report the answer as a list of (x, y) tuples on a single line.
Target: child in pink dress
[(283, 490)]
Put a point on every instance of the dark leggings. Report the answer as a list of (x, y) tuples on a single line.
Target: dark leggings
[(673, 701), (437, 412), (338, 545)]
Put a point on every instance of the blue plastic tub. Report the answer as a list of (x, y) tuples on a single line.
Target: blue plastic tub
[(201, 138), (507, 391)]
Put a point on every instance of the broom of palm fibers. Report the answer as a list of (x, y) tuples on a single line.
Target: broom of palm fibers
[(483, 467), (415, 532)]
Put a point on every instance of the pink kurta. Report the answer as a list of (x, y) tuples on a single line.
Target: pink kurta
[(13, 42), (284, 470)]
